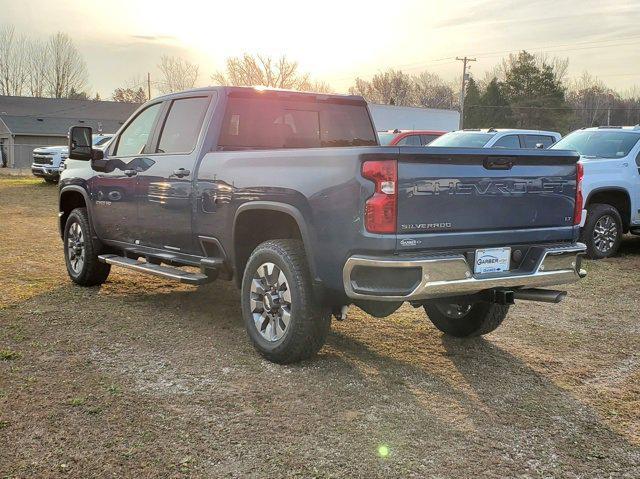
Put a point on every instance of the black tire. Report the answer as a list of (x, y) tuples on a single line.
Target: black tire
[(91, 271), (51, 181), (597, 247), (473, 319), (308, 322)]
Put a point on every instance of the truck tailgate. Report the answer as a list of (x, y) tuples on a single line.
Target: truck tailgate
[(443, 190)]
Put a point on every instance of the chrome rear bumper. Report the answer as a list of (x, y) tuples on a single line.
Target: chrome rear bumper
[(451, 275)]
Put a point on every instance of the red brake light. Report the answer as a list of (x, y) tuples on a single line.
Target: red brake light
[(577, 213), (380, 211)]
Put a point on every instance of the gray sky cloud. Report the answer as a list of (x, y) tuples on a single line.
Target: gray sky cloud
[(126, 38)]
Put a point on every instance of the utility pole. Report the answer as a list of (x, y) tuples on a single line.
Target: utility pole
[(148, 86), (464, 61)]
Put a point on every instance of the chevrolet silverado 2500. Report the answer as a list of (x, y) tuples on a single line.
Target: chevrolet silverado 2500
[(290, 194)]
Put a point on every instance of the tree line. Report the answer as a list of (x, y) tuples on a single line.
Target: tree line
[(522, 91), (52, 67)]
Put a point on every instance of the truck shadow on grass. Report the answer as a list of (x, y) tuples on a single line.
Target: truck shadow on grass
[(478, 388)]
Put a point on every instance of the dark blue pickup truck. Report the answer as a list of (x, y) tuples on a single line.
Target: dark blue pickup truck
[(290, 195)]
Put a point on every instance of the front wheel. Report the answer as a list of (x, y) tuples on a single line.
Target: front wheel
[(81, 251), (283, 319), (466, 319)]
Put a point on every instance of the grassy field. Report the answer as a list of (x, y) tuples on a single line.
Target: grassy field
[(145, 378)]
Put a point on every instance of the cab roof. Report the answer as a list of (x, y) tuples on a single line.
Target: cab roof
[(260, 91)]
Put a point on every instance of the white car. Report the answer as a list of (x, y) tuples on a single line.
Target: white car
[(610, 157), (498, 138), (48, 161)]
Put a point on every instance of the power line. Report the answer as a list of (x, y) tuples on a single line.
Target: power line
[(589, 44)]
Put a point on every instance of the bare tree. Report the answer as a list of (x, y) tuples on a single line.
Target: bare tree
[(130, 95), (431, 92), (177, 74), (590, 98), (37, 64), (258, 70), (133, 90), (66, 69), (316, 87), (392, 87), (13, 65)]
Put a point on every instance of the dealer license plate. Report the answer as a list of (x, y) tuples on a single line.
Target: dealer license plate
[(492, 260)]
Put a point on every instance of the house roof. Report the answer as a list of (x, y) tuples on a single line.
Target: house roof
[(54, 116)]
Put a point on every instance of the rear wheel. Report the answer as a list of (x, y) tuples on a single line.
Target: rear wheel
[(81, 251), (466, 319), (602, 232), (283, 319)]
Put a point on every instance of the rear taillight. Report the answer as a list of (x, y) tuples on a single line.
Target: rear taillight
[(577, 213), (380, 211)]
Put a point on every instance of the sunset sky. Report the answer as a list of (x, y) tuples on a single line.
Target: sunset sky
[(338, 40)]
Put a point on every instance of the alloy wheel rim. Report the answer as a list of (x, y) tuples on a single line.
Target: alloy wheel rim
[(453, 310), (605, 234), (270, 302), (75, 248)]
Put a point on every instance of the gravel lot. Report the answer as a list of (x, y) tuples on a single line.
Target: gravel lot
[(145, 378)]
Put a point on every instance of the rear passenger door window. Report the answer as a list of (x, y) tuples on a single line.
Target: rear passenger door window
[(508, 141), (426, 139), (182, 126), (532, 141), (411, 140)]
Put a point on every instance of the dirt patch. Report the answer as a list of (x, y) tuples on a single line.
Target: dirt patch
[(145, 378)]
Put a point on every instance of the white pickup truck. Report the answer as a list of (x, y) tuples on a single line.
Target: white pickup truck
[(48, 161), (610, 156)]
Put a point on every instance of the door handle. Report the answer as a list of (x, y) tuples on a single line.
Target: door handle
[(181, 172), (130, 172), (498, 163)]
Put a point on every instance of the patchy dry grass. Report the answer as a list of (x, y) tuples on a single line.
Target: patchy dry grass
[(145, 378)]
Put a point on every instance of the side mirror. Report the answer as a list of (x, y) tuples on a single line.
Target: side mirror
[(80, 143), (540, 146)]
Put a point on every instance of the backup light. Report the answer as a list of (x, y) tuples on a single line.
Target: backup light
[(380, 210)]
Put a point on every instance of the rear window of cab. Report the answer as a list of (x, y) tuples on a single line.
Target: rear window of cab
[(267, 123)]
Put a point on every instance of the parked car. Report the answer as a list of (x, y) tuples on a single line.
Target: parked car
[(498, 138), (408, 137), (246, 185), (611, 159), (48, 161)]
